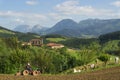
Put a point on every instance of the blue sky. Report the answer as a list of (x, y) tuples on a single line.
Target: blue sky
[(49, 12)]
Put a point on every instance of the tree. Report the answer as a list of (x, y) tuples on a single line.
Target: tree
[(63, 50), (12, 42), (71, 61), (18, 59), (86, 56), (104, 57)]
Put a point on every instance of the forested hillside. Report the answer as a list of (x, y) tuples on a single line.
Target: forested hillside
[(110, 36), (6, 33)]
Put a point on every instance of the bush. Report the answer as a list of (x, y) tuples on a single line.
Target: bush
[(86, 56), (104, 57)]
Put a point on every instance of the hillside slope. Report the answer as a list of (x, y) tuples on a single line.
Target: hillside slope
[(110, 36), (5, 33)]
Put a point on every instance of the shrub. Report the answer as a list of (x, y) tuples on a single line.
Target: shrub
[(104, 57)]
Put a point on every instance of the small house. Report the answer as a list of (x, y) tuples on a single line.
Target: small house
[(55, 45)]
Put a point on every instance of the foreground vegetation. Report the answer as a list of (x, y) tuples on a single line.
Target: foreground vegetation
[(77, 52), (14, 57)]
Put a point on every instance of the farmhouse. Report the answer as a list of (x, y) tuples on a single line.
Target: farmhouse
[(33, 42), (36, 42), (55, 46)]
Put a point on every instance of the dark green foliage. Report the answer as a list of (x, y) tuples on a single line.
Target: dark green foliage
[(119, 44), (78, 42), (52, 36), (111, 47), (63, 50), (42, 59), (86, 56), (72, 61), (4, 64), (110, 36), (4, 61), (26, 36), (104, 57), (12, 42)]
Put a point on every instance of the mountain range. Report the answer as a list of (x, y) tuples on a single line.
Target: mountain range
[(27, 28), (70, 28), (5, 33)]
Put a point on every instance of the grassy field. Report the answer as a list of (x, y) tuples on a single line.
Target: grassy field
[(106, 74), (7, 32), (55, 39)]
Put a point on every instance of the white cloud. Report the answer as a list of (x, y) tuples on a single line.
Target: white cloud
[(19, 20), (10, 14), (21, 14), (31, 2), (116, 3), (73, 7), (55, 16), (22, 17)]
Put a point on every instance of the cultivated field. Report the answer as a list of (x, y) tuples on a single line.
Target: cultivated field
[(106, 74)]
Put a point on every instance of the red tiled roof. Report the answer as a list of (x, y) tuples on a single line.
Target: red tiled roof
[(53, 44)]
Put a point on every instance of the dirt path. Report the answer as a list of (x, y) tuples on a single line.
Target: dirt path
[(107, 74)]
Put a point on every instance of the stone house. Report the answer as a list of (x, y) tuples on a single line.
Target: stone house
[(36, 42)]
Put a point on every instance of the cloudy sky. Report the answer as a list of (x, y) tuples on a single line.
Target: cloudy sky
[(49, 12)]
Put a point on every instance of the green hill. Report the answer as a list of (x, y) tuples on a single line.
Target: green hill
[(110, 36), (6, 33)]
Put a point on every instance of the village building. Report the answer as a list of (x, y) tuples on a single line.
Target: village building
[(33, 42), (36, 42), (55, 45)]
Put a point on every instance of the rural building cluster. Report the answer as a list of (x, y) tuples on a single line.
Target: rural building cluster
[(39, 42)]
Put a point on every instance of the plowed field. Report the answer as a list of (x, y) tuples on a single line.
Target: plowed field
[(106, 74)]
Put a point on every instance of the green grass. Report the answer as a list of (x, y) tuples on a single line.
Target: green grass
[(111, 45), (99, 66), (6, 32), (55, 39)]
